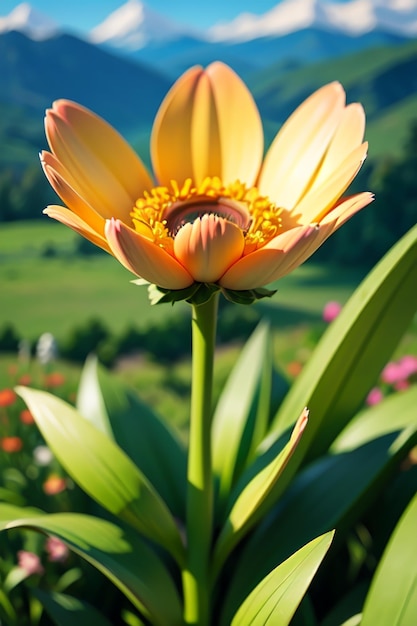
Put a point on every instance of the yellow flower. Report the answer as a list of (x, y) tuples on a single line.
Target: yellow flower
[(218, 213)]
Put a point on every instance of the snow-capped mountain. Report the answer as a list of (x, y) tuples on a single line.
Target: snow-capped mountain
[(352, 18), (134, 25), (30, 22)]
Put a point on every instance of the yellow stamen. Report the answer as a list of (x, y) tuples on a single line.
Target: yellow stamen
[(165, 209)]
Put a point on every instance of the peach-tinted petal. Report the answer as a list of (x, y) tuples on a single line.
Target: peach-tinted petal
[(304, 249), (110, 175), (144, 258), (298, 149), (208, 125), (67, 217), (274, 260), (171, 149), (348, 207), (60, 182), (348, 136), (335, 218), (240, 126), (315, 205), (208, 247)]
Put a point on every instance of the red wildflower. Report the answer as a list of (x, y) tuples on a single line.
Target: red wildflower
[(7, 397), (25, 379), (11, 444), (55, 379), (26, 417), (54, 484)]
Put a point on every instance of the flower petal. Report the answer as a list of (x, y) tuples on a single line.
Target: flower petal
[(210, 119), (296, 152), (144, 258), (346, 208), (110, 175), (208, 246), (316, 204), (67, 217), (240, 126), (348, 136), (61, 182), (280, 256)]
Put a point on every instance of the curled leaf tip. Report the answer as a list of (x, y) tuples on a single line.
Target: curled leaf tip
[(299, 427)]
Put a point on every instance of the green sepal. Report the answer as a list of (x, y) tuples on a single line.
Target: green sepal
[(159, 295), (249, 296), (199, 293)]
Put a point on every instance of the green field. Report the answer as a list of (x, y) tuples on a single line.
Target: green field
[(55, 293)]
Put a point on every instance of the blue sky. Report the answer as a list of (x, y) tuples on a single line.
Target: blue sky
[(82, 15)]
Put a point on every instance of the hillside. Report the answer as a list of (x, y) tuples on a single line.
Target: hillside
[(383, 79), (128, 93), (34, 73)]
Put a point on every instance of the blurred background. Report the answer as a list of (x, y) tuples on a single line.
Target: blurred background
[(119, 59), (62, 299)]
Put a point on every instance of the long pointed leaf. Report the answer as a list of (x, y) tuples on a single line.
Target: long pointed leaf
[(392, 414), (354, 349), (247, 508), (102, 469), (241, 416), (332, 492), (348, 359), (66, 610), (119, 554), (90, 402), (276, 598), (392, 598), (150, 442)]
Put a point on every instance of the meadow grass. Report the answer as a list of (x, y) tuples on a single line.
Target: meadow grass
[(55, 293), (47, 286)]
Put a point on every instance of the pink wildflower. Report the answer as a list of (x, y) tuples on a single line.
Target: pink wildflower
[(56, 549), (374, 396), (30, 562), (331, 311)]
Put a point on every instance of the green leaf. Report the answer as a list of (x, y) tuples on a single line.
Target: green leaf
[(102, 469), (277, 596), (347, 360), (66, 610), (392, 598), (248, 507), (150, 442), (355, 620), (14, 577), (347, 609), (90, 401), (121, 555), (332, 492), (353, 351), (394, 413), (241, 416), (68, 578)]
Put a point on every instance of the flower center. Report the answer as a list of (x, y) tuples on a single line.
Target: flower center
[(164, 210)]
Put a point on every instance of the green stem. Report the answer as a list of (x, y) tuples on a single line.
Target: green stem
[(199, 479)]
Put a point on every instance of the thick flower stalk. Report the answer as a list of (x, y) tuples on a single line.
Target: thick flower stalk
[(217, 214)]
